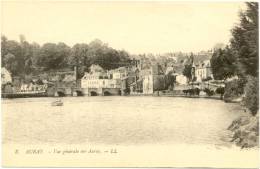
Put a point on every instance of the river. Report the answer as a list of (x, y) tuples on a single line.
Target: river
[(118, 120)]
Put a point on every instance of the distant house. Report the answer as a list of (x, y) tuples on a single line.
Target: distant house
[(34, 85), (203, 71), (153, 79), (119, 73), (5, 76), (131, 83)]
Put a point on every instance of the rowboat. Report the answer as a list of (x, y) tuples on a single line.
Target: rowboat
[(57, 103)]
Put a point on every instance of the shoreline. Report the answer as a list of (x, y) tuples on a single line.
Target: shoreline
[(36, 95)]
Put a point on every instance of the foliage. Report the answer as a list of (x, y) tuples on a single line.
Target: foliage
[(10, 62), (220, 90), (208, 91), (195, 91), (31, 58), (244, 40), (52, 56), (251, 98), (234, 89), (223, 63), (187, 71)]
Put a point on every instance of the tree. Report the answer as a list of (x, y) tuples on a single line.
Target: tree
[(35, 56), (3, 48), (26, 55), (251, 99), (52, 56), (79, 57), (187, 71), (34, 59), (244, 42), (223, 63), (11, 63), (63, 52)]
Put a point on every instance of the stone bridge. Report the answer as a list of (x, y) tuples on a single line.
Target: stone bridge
[(68, 91), (102, 91)]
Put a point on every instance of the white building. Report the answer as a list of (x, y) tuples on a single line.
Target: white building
[(97, 78), (119, 73), (148, 84), (203, 71), (5, 76), (153, 79)]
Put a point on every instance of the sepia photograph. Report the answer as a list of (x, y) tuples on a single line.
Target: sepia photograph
[(130, 84)]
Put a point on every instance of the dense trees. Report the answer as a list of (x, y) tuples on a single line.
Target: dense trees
[(23, 58), (241, 58), (244, 40), (223, 63)]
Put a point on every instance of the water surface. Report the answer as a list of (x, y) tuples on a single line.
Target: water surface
[(118, 120)]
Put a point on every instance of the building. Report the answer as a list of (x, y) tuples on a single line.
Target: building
[(119, 73), (153, 79), (34, 85), (100, 82), (5, 76), (131, 83), (203, 71)]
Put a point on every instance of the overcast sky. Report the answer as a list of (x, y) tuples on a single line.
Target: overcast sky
[(137, 27)]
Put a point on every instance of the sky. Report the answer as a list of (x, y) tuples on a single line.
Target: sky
[(137, 27)]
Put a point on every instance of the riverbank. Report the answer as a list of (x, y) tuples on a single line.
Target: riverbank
[(245, 131)]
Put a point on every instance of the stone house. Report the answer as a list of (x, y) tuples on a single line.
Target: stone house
[(203, 71), (153, 79)]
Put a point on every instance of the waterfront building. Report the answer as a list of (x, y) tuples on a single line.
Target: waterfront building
[(100, 82), (153, 79), (119, 73), (33, 85), (203, 71), (132, 83)]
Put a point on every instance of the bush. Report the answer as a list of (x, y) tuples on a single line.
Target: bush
[(195, 91), (251, 95), (233, 89), (209, 92), (221, 91)]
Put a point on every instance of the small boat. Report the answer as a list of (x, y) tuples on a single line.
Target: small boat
[(57, 103)]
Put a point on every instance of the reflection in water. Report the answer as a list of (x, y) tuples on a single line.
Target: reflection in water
[(118, 120)]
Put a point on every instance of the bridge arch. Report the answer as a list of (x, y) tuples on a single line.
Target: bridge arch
[(107, 93), (93, 93), (79, 92), (60, 93)]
